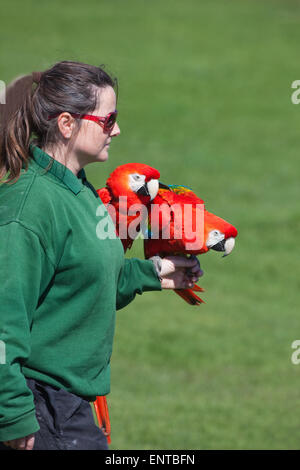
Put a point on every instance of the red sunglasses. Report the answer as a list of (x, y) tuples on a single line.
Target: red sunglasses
[(107, 122)]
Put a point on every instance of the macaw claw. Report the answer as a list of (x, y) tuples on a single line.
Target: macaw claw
[(189, 295)]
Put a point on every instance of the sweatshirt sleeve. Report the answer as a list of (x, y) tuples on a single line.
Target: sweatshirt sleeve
[(136, 276), (22, 265)]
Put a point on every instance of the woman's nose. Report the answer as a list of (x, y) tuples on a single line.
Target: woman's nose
[(116, 130)]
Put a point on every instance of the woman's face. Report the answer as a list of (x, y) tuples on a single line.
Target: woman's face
[(92, 142)]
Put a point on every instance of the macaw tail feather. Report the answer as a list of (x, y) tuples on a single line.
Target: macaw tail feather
[(197, 288), (101, 410), (189, 295)]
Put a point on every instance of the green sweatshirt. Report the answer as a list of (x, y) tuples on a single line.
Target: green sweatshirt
[(61, 282)]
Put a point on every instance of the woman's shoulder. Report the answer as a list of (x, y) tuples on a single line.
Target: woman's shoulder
[(33, 201), (28, 195)]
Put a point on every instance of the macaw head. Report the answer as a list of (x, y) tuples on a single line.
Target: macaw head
[(137, 181), (219, 235)]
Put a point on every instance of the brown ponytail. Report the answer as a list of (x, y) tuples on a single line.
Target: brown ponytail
[(30, 99), (15, 127)]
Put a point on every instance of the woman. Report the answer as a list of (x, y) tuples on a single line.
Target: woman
[(60, 284)]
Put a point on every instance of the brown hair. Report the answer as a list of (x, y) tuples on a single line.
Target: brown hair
[(30, 99)]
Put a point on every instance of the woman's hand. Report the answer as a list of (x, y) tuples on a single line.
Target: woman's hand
[(23, 443), (179, 272)]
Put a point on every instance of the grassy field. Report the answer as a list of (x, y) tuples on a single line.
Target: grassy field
[(204, 96)]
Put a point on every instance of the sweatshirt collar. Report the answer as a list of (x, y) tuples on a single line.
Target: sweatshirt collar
[(58, 170)]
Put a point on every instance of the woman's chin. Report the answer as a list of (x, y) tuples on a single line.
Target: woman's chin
[(103, 156)]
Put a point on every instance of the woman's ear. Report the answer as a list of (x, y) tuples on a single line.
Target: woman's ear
[(66, 124)]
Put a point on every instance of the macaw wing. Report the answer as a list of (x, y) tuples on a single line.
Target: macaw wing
[(180, 189), (176, 192), (104, 195), (106, 198), (186, 193)]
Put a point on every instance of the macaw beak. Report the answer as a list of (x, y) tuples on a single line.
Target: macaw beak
[(149, 189), (143, 191), (225, 245)]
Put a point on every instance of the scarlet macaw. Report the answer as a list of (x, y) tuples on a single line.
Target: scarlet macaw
[(139, 184), (177, 232)]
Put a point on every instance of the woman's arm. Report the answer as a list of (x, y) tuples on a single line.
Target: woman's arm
[(136, 276), (22, 265), (172, 272)]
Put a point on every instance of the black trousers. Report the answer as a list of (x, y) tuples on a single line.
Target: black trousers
[(66, 421)]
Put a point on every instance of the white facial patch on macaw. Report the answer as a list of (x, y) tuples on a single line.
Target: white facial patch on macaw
[(214, 237), (136, 181)]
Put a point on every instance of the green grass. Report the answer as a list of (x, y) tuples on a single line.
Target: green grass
[(204, 96)]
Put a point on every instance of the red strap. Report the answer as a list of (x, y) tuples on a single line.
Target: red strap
[(101, 409)]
